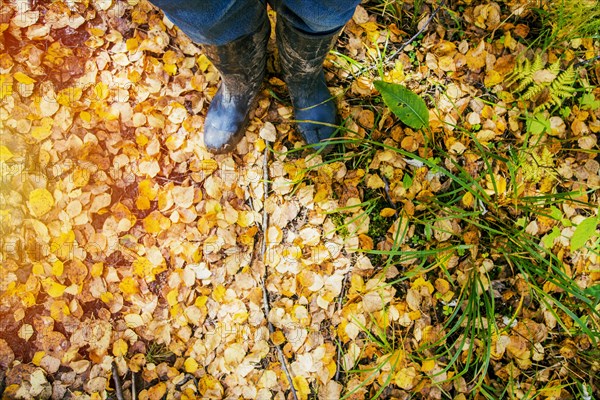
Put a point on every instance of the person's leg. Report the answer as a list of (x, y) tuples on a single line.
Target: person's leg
[(213, 22), (306, 31), (316, 17), (234, 34)]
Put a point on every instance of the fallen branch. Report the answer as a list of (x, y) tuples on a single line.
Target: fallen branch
[(118, 387), (133, 391), (339, 347), (263, 251)]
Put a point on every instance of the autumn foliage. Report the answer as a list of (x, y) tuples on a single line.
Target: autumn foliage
[(455, 259)]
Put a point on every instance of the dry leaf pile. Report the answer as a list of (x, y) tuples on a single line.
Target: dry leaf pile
[(124, 241)]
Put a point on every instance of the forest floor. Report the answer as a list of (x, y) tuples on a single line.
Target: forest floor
[(458, 260)]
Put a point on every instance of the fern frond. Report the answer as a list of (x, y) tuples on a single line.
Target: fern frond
[(567, 78), (562, 86), (563, 92), (555, 68), (518, 71), (532, 92), (537, 64), (552, 101), (529, 69)]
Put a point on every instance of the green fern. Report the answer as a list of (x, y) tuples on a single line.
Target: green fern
[(524, 71), (562, 86), (558, 89)]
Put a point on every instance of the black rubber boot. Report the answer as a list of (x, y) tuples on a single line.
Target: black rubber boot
[(241, 64), (302, 57)]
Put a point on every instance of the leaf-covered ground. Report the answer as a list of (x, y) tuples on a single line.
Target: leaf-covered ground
[(458, 261)]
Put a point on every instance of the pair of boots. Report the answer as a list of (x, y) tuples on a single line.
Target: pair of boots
[(242, 63)]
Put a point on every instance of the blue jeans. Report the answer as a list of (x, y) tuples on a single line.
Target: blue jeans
[(217, 22)]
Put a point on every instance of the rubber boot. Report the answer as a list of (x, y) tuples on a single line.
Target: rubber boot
[(302, 57), (241, 64)]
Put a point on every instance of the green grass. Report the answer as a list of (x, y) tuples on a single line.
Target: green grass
[(563, 20), (500, 210), (158, 353), (472, 321)]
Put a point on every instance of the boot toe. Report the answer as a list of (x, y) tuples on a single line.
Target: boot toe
[(318, 123), (218, 140)]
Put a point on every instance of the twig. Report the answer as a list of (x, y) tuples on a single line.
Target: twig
[(263, 251), (585, 62), (387, 194), (118, 387), (339, 347), (133, 392)]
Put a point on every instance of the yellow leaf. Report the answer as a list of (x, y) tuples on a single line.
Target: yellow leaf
[(172, 297), (144, 268), (414, 315), (44, 130), (129, 285), (57, 268), (405, 378), (96, 31), (492, 78), (142, 203), (28, 299), (68, 95), (322, 194), (245, 218), (369, 26), (278, 338), (58, 310), (203, 63), (119, 348), (357, 284), (190, 365), (107, 297), (5, 154), (152, 223), (420, 282), (97, 269), (101, 91), (40, 202), (85, 116), (301, 386), (148, 189), (54, 289), (427, 365), (201, 301), (170, 69), (468, 200), (210, 387), (80, 177), (375, 182), (219, 293), (142, 140), (63, 245), (37, 358), (387, 212), (132, 44), (38, 269)]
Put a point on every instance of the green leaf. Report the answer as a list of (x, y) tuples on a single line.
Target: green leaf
[(548, 240), (410, 108), (538, 124), (584, 231), (589, 102), (407, 181)]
